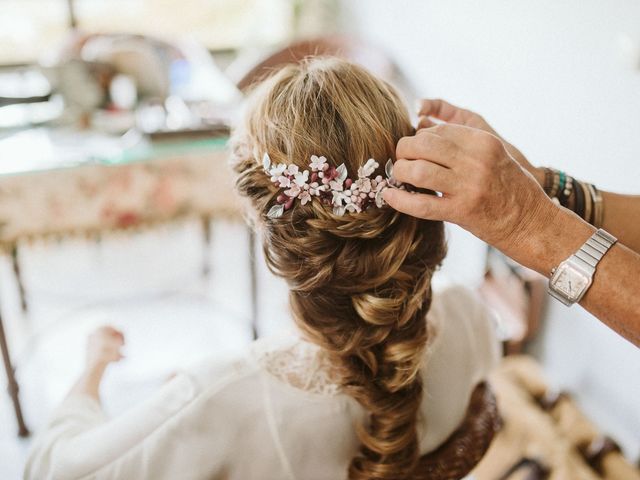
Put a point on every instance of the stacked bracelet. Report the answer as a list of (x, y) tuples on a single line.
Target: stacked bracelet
[(598, 214), (588, 202), (582, 198), (579, 204)]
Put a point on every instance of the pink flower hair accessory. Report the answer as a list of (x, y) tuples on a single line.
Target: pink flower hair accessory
[(329, 184)]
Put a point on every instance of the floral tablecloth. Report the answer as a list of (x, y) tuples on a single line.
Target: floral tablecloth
[(96, 197)]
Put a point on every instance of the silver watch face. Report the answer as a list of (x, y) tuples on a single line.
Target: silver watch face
[(570, 281)]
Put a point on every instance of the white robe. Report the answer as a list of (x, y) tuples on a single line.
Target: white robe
[(272, 414)]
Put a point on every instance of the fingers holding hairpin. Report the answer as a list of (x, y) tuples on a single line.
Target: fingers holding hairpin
[(424, 174), (426, 145)]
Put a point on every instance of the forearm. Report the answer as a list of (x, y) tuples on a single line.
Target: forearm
[(73, 428), (89, 383), (621, 214), (622, 218), (614, 295)]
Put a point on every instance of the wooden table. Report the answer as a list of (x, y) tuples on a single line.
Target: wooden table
[(57, 183)]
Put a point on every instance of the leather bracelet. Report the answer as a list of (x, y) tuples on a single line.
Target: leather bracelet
[(579, 199), (598, 217), (588, 203), (592, 194)]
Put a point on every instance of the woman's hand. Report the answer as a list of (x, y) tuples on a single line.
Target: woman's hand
[(441, 110), (488, 188), (484, 189), (104, 347)]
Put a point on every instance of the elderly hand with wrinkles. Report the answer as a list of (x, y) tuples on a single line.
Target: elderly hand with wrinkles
[(489, 188), (484, 182)]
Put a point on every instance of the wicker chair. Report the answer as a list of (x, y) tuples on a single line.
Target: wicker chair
[(464, 449)]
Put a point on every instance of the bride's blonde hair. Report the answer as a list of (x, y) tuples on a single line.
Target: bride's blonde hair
[(359, 283)]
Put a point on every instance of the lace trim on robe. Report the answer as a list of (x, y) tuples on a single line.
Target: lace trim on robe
[(303, 366)]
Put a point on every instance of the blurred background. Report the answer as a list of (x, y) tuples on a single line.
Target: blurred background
[(116, 204)]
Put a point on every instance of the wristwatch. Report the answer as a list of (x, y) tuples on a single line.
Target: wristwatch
[(572, 278)]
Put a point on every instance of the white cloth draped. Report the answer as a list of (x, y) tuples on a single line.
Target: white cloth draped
[(272, 414)]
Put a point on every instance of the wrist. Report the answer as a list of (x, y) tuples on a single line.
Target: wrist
[(538, 174), (95, 370), (89, 382), (551, 237)]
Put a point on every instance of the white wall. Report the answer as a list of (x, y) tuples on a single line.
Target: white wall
[(551, 78)]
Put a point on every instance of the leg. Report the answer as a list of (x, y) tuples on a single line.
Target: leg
[(206, 235), (12, 383), (253, 274), (18, 275)]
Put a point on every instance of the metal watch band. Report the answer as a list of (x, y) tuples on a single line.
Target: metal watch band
[(594, 249), (584, 260)]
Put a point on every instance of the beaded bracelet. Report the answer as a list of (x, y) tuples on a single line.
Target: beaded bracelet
[(580, 197), (563, 179), (565, 193), (552, 182)]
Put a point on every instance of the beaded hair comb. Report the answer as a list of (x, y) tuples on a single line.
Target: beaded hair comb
[(329, 184)]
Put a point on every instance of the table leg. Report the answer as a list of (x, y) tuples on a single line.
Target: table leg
[(18, 275), (13, 387), (253, 279)]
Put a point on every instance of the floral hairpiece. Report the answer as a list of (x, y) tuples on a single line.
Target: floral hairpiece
[(330, 184)]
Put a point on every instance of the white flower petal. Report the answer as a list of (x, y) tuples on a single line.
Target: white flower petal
[(284, 182), (293, 192), (304, 197), (342, 173), (336, 186), (266, 161), (277, 170), (318, 163), (301, 178), (368, 168), (337, 198)]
